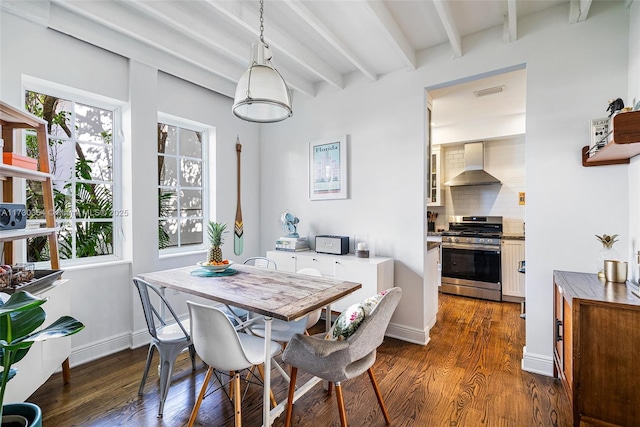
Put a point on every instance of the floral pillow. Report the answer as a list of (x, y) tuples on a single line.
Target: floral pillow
[(349, 320)]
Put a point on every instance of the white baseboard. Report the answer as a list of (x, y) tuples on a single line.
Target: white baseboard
[(537, 363), (404, 333), (96, 350)]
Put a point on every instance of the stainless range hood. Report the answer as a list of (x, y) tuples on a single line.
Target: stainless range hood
[(474, 173)]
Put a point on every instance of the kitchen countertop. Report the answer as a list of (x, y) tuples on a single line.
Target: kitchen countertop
[(513, 236), (432, 245)]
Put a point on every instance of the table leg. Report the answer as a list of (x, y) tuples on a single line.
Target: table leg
[(266, 402), (327, 320)]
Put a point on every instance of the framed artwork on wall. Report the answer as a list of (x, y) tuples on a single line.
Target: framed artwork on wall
[(328, 168)]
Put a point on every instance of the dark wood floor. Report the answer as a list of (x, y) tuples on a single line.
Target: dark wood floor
[(468, 375)]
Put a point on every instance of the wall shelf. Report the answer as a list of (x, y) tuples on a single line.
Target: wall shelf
[(624, 142)]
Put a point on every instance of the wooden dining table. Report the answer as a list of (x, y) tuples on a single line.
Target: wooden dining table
[(271, 293)]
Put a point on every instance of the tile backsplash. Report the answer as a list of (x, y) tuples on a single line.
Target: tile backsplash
[(503, 159)]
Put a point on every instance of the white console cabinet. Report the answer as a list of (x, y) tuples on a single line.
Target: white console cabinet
[(375, 273), (44, 357)]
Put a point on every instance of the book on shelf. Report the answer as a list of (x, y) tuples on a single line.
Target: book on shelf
[(293, 250), (292, 244)]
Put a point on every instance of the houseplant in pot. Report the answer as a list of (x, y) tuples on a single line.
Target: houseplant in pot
[(20, 316)]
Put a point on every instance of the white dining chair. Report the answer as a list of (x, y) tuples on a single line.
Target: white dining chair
[(281, 330), (224, 349)]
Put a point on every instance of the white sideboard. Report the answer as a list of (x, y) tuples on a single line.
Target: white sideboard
[(44, 357), (375, 273)]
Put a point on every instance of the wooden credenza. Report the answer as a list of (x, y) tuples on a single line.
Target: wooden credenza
[(597, 341)]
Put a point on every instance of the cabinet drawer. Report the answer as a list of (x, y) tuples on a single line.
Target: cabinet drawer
[(324, 264)]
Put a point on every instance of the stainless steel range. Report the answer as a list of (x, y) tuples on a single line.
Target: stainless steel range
[(471, 263)]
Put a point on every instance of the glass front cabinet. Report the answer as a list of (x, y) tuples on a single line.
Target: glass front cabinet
[(435, 177)]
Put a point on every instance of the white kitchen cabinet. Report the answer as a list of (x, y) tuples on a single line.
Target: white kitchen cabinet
[(512, 280), (375, 273), (435, 177)]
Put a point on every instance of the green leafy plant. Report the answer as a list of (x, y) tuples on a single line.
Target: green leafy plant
[(20, 316)]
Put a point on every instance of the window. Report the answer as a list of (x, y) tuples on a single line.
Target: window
[(180, 186), (82, 161)]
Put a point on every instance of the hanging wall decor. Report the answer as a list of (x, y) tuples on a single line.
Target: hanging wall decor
[(328, 168), (238, 229)]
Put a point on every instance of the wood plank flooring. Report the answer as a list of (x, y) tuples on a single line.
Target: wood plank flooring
[(468, 375)]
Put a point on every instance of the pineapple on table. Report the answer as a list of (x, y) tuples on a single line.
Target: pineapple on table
[(216, 231)]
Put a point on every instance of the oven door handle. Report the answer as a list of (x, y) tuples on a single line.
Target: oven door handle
[(464, 246)]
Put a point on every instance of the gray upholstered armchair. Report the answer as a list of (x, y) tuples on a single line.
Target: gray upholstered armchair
[(337, 361)]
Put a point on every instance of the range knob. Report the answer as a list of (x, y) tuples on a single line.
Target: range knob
[(469, 239)]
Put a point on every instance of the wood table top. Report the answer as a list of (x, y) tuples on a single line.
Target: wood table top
[(278, 294)]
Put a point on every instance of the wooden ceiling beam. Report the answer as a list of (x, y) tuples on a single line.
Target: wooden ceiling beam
[(316, 24), (284, 43), (392, 32), (510, 26), (444, 13), (578, 10)]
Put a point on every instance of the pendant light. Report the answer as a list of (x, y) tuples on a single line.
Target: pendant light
[(262, 95)]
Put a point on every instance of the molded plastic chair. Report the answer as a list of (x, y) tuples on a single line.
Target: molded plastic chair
[(282, 331), (221, 347), (262, 262), (337, 361), (169, 338)]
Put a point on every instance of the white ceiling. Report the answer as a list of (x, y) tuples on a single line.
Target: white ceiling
[(313, 42)]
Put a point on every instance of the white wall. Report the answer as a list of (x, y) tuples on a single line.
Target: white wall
[(103, 297), (567, 204), (634, 168)]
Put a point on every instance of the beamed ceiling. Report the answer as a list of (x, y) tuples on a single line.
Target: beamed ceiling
[(313, 42)]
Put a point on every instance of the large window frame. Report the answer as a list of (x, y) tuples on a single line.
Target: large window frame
[(76, 96), (177, 213)]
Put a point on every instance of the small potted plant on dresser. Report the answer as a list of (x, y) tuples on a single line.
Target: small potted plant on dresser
[(20, 316)]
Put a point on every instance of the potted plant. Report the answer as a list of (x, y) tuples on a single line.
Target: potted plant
[(20, 316)]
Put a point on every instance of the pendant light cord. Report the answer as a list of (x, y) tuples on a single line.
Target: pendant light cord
[(262, 23)]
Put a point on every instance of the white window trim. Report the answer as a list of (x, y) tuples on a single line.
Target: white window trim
[(34, 84), (208, 140)]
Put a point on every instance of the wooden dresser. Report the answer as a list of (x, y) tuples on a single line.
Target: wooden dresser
[(597, 341)]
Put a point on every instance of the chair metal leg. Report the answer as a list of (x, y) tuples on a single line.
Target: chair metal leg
[(379, 396), (146, 368), (166, 370), (196, 406), (237, 400), (292, 389), (341, 409), (192, 354)]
